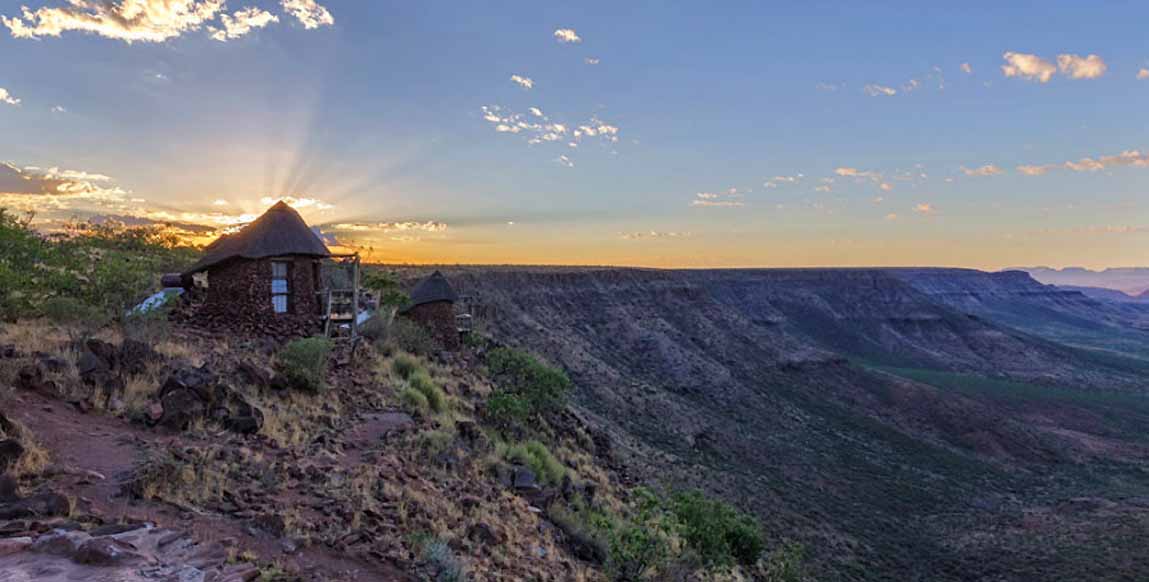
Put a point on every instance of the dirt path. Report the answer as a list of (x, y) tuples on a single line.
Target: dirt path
[(92, 455)]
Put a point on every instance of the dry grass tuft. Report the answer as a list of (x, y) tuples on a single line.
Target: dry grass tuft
[(34, 335), (190, 476), (35, 457)]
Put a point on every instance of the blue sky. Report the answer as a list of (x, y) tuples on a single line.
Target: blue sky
[(381, 121)]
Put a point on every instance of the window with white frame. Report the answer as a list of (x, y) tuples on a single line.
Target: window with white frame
[(280, 289)]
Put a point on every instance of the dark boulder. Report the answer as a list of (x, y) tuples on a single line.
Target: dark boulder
[(108, 552), (9, 488), (181, 407), (135, 356), (112, 529), (252, 374), (198, 380), (524, 479), (485, 534), (98, 355), (33, 377), (9, 351), (54, 364), (11, 451), (42, 505)]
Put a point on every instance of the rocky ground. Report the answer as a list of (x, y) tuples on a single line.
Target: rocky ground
[(193, 461)]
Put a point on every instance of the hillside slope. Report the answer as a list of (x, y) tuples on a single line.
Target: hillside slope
[(873, 414)]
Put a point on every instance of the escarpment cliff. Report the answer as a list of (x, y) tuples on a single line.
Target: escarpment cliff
[(897, 421)]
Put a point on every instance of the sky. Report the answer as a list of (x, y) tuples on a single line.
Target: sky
[(663, 134)]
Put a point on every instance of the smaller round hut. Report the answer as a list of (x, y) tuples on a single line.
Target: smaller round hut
[(433, 306)]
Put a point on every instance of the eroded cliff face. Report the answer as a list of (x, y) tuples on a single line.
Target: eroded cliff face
[(1015, 299), (783, 391)]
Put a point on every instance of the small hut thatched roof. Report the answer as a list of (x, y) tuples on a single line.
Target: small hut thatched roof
[(432, 289), (279, 232)]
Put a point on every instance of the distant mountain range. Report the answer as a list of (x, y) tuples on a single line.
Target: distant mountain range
[(1132, 281)]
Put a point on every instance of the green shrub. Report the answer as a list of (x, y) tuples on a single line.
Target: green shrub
[(411, 337), (375, 329), (405, 365), (435, 442), (304, 363), (448, 568), (413, 401), (422, 382), (505, 410), (542, 387), (107, 267), (539, 459), (629, 547), (718, 532)]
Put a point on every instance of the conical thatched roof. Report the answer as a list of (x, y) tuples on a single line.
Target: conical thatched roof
[(280, 231), (432, 289)]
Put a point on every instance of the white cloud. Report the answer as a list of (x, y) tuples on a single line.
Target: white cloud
[(1078, 67), (220, 202), (886, 186), (1143, 74), (730, 198), (34, 189), (828, 87), (524, 82), (1035, 170), (966, 68), (390, 227), (6, 97), (241, 22), (538, 129), (309, 13), (653, 235), (986, 170), (878, 90), (59, 109), (565, 161), (297, 203), (591, 60), (925, 208), (1134, 158), (847, 172), (1027, 66), (776, 181), (126, 20), (567, 35)]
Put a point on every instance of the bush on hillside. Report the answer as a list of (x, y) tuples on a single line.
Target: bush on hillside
[(411, 337), (541, 388), (413, 401), (631, 546), (436, 400), (538, 458), (506, 410), (719, 533), (304, 363), (405, 366)]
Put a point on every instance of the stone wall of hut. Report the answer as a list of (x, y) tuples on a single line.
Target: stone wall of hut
[(439, 319), (238, 298)]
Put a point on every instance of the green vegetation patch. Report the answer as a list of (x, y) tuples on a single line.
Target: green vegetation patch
[(304, 363), (538, 457)]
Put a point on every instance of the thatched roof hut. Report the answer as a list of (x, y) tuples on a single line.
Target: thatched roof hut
[(264, 277)]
